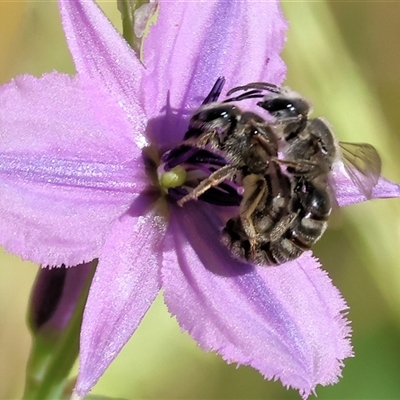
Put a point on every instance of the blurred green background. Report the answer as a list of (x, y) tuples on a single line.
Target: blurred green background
[(345, 56)]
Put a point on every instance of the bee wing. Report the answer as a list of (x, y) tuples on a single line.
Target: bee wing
[(363, 165)]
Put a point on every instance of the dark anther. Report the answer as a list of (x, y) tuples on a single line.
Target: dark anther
[(215, 91)]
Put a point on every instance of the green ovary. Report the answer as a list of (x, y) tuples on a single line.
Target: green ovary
[(173, 178)]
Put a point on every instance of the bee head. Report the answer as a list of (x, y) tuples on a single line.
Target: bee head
[(286, 107), (217, 117)]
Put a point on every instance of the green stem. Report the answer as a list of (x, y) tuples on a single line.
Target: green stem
[(51, 360), (127, 9)]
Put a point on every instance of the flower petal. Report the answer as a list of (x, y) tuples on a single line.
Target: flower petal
[(285, 321), (193, 43), (347, 193), (123, 288), (68, 168), (103, 56)]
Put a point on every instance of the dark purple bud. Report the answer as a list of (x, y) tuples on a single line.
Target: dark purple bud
[(55, 295)]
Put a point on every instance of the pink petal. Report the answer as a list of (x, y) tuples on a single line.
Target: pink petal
[(101, 55), (347, 193), (68, 168), (193, 43), (285, 321), (123, 288)]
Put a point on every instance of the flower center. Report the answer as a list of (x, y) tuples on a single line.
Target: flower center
[(184, 168), (172, 178)]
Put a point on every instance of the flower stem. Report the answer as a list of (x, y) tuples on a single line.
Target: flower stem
[(53, 354), (137, 16), (127, 9)]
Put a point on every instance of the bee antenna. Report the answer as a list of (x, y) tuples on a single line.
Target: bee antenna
[(216, 90), (253, 94), (260, 86)]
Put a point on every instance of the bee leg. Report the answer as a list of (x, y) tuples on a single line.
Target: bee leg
[(267, 141), (204, 139), (307, 168), (254, 191), (282, 226), (227, 172)]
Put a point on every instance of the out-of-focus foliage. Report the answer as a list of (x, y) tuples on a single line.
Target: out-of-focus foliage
[(345, 57)]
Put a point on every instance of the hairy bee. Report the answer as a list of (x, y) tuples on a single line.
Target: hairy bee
[(248, 144), (308, 151), (283, 167)]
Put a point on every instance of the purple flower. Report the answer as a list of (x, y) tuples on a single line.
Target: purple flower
[(75, 187)]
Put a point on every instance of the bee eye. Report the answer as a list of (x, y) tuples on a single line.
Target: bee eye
[(212, 117), (279, 105), (285, 108), (216, 113), (280, 108)]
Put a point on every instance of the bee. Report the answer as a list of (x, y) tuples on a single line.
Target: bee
[(309, 150), (271, 218), (309, 146), (283, 166), (243, 138), (247, 143)]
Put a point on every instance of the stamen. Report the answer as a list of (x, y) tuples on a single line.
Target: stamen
[(184, 167), (215, 91)]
